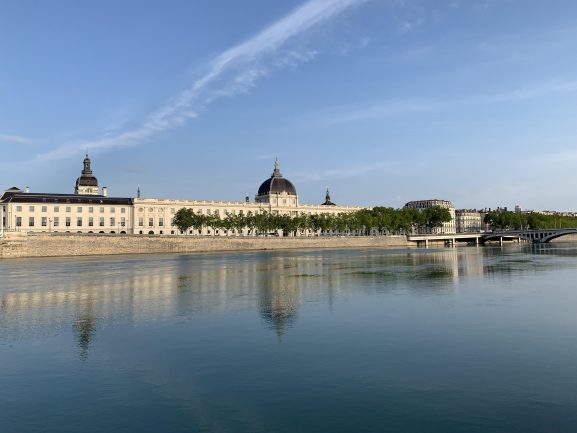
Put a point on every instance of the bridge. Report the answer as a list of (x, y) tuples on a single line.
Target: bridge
[(534, 236)]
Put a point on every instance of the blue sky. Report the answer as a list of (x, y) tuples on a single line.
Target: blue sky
[(472, 101)]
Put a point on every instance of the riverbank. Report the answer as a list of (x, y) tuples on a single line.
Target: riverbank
[(21, 245)]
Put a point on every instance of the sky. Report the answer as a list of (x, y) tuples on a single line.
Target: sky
[(382, 101)]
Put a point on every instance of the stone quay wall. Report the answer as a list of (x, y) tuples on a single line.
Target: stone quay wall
[(18, 245), (566, 238)]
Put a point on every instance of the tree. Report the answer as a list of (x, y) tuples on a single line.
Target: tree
[(183, 219), (435, 216)]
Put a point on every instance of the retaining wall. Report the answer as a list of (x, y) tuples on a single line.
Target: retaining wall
[(15, 245), (566, 238)]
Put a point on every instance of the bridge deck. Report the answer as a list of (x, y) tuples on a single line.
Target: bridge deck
[(535, 236), (445, 236)]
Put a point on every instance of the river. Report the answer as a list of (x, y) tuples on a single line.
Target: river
[(452, 340)]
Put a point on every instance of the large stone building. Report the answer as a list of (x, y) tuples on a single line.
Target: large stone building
[(90, 210), (468, 221)]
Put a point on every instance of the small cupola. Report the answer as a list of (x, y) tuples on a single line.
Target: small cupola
[(86, 184), (328, 201)]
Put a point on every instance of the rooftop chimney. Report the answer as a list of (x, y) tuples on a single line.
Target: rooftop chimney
[(105, 191), (27, 189)]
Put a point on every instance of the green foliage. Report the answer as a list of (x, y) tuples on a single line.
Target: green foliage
[(435, 216), (506, 220), (183, 219), (382, 220)]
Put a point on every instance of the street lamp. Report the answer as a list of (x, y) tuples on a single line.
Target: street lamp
[(1, 221)]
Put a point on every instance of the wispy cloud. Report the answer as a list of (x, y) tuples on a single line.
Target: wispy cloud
[(15, 139), (409, 15), (233, 72), (396, 168), (528, 92), (398, 107)]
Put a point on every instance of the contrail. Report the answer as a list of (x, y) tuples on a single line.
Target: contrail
[(232, 72)]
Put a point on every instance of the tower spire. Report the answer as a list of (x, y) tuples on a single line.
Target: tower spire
[(276, 171), (87, 182), (328, 201)]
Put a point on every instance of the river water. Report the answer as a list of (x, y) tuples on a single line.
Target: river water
[(454, 340)]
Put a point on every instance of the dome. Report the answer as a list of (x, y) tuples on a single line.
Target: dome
[(86, 181), (277, 184)]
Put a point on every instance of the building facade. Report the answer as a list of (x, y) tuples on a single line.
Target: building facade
[(468, 221), (90, 210)]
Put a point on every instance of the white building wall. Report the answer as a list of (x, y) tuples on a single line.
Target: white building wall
[(67, 217), (468, 221), (147, 213)]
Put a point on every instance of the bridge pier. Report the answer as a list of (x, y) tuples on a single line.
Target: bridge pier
[(501, 240)]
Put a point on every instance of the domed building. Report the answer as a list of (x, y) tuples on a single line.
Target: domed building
[(277, 191), (86, 184), (90, 210)]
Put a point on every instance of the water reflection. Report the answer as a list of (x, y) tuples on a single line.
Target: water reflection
[(83, 295), (84, 328)]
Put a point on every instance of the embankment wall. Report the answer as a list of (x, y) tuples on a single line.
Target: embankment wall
[(566, 238), (60, 244)]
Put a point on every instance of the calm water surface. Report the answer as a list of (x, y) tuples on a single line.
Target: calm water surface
[(465, 340)]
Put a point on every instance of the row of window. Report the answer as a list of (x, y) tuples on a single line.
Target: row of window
[(199, 211), (68, 209), (284, 201), (160, 209), (49, 222), (150, 222)]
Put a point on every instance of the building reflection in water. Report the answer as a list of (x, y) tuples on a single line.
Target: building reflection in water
[(280, 292), (84, 328), (85, 295)]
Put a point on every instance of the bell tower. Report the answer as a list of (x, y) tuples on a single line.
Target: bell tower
[(86, 184)]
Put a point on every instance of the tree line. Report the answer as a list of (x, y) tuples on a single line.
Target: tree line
[(507, 220), (382, 220)]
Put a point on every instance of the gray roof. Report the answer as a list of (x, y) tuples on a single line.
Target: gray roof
[(30, 197)]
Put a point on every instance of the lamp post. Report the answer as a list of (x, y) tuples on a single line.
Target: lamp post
[(1, 221), (49, 225)]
